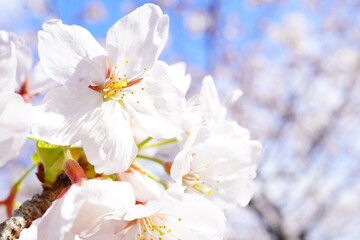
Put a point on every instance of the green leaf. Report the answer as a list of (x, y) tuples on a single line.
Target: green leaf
[(52, 157)]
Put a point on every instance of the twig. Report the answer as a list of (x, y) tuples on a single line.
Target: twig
[(32, 209)]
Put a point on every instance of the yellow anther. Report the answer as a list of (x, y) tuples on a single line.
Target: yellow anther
[(126, 61), (145, 69)]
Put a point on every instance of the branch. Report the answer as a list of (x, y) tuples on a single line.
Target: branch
[(32, 209), (269, 215)]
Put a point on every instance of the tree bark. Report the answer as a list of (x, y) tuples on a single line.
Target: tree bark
[(32, 209)]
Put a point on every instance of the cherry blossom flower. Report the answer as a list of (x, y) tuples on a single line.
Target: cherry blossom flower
[(175, 216), (218, 159), (15, 114), (88, 210), (106, 89), (100, 209), (29, 81), (218, 162)]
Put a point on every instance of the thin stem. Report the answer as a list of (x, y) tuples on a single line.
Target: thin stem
[(160, 143), (158, 161), (17, 184), (33, 138), (141, 144), (9, 202), (157, 179)]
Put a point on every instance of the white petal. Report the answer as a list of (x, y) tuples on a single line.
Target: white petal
[(181, 165), (179, 77), (213, 160), (107, 139), (7, 67), (24, 62), (158, 108), (15, 122), (39, 82), (106, 204), (71, 52), (23, 54), (81, 208), (209, 99), (63, 113), (138, 38), (31, 232), (200, 218), (145, 189)]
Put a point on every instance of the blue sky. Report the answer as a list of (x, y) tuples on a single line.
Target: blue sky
[(16, 16)]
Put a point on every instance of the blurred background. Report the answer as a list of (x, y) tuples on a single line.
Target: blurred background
[(298, 65)]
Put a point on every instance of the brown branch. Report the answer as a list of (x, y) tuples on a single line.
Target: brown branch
[(269, 215), (32, 209)]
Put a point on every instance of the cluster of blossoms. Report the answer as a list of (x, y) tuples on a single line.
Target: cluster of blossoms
[(109, 108)]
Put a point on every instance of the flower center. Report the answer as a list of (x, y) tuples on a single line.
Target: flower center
[(118, 84), (152, 228), (193, 180)]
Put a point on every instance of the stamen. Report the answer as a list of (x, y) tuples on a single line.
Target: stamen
[(152, 228), (193, 180), (115, 83)]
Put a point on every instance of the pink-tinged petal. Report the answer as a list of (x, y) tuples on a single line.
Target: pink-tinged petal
[(64, 111), (71, 53), (158, 108), (136, 40), (107, 139), (15, 122)]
